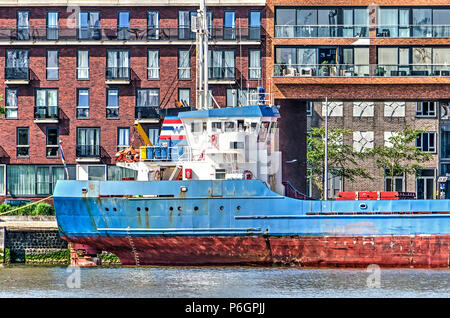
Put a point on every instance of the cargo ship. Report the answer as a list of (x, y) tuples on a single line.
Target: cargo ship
[(211, 192)]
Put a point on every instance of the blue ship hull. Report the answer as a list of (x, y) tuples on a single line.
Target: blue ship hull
[(244, 222)]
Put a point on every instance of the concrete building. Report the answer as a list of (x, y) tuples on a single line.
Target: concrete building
[(382, 65), (81, 73)]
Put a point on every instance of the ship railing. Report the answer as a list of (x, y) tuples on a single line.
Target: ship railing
[(292, 192), (260, 98), (166, 153)]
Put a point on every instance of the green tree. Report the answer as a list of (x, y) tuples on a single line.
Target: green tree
[(401, 156), (343, 160)]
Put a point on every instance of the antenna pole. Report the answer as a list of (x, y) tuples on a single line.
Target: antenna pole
[(325, 178)]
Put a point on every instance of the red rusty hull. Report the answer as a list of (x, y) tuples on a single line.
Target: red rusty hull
[(311, 251)]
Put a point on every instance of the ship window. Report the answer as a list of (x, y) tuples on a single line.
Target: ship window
[(196, 127), (253, 127), (220, 174), (205, 126), (236, 145), (263, 131), (229, 126), (216, 126), (240, 125)]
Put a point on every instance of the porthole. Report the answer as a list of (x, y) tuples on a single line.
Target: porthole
[(146, 209), (107, 209), (171, 208), (139, 209), (195, 208), (222, 207), (179, 208), (114, 209), (238, 208)]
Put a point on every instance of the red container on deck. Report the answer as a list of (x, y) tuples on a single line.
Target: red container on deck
[(389, 195), (346, 196), (367, 195)]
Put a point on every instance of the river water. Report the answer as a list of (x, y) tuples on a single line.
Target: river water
[(224, 282)]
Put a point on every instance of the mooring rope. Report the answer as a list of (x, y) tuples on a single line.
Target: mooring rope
[(26, 205)]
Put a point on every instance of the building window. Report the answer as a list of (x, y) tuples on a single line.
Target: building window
[(46, 103), (254, 31), (52, 142), (147, 103), (445, 141), (221, 64), (33, 180), (11, 103), (254, 68), (83, 65), (153, 64), (184, 65), (89, 25), (88, 142), (240, 97), (52, 65), (184, 96), (153, 135), (426, 142), (17, 65), (426, 109), (82, 103), (23, 142), (23, 25), (425, 182), (2, 179), (229, 25), (118, 65), (153, 25), (123, 25), (123, 138), (395, 183), (97, 173), (112, 103), (335, 184), (184, 25), (116, 173), (52, 25)]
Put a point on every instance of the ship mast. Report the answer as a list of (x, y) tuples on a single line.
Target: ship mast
[(201, 29)]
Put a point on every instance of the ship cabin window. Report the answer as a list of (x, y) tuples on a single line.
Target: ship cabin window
[(220, 174), (205, 126), (229, 126), (216, 126), (273, 127), (253, 127), (263, 131), (196, 127), (240, 125)]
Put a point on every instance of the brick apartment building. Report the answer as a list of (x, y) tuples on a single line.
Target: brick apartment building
[(81, 72), (382, 65)]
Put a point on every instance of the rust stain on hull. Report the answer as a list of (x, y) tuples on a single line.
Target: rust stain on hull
[(323, 251)]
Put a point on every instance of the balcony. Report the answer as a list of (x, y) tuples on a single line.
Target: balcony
[(361, 70), (17, 75), (321, 31), (124, 35), (147, 114), (118, 75), (414, 31), (221, 75), (88, 153), (46, 114)]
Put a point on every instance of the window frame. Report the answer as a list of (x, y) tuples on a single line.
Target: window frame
[(109, 107), (250, 69), (432, 136), (3, 166), (52, 67), (47, 146), (47, 26), (81, 68), (153, 68), (189, 96), (28, 22), (8, 106), (83, 107), (420, 110), (24, 145), (187, 69), (119, 146)]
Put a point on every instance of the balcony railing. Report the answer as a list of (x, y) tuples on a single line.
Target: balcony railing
[(221, 73), (88, 151), (118, 73), (360, 70), (136, 33), (321, 31), (351, 31), (46, 112), (17, 73), (414, 31), (147, 112)]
